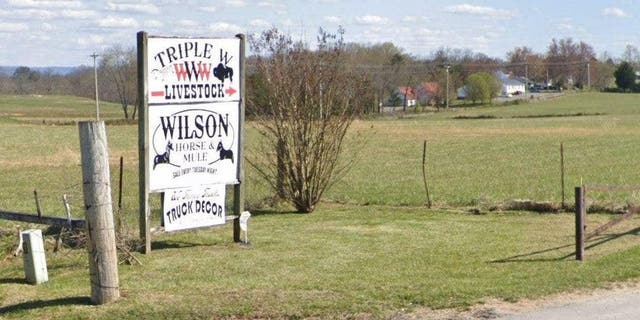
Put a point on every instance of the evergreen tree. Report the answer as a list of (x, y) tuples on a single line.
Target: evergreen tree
[(625, 76)]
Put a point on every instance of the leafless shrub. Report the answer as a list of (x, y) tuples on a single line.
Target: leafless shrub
[(308, 101)]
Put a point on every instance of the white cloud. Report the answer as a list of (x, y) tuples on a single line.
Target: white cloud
[(147, 8), (413, 19), (153, 23), (278, 8), (58, 4), (47, 27), (32, 14), (224, 28), (78, 14), (44, 14), (480, 11), (615, 12), (259, 23), (13, 27), (236, 3), (187, 23), (39, 37), (332, 19), (372, 20), (116, 22), (565, 26), (91, 40), (266, 4), (209, 9), (427, 32), (287, 22)]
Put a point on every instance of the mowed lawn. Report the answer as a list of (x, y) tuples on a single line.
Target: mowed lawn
[(372, 249)]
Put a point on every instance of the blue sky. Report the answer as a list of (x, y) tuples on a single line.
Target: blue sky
[(66, 32)]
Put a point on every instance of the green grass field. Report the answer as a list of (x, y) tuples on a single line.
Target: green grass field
[(372, 248)]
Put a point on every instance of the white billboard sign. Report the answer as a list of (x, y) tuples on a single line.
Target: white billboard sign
[(193, 145), (185, 70), (194, 207)]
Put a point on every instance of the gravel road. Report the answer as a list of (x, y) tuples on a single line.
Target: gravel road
[(613, 305), (620, 301)]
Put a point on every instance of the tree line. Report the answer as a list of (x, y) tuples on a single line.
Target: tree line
[(566, 63), (117, 80)]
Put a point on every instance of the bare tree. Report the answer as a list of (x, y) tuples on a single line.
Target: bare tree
[(81, 82), (119, 67), (524, 62), (568, 60), (310, 100)]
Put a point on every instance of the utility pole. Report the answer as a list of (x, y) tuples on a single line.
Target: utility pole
[(95, 76), (547, 76), (447, 66), (526, 67), (588, 74)]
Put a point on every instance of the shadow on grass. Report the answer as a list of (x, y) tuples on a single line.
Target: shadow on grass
[(168, 244), (261, 212), (13, 281), (39, 304), (600, 240), (531, 257)]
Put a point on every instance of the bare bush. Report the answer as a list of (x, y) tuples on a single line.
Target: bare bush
[(309, 100)]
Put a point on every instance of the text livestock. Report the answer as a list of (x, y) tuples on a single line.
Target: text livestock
[(193, 70)]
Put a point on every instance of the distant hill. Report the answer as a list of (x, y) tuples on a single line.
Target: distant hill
[(8, 70)]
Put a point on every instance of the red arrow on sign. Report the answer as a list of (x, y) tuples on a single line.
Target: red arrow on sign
[(230, 91)]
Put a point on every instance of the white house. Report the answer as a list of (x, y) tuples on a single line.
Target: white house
[(462, 92), (511, 86)]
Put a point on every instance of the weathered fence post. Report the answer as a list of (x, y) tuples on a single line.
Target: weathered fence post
[(101, 242), (580, 214), (562, 174)]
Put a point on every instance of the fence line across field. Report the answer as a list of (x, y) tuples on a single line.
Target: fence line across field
[(48, 220)]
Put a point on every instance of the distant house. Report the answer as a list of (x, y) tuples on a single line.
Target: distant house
[(407, 96), (511, 86), (462, 93), (428, 93)]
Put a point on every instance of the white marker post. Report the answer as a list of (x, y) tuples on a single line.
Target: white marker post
[(244, 220)]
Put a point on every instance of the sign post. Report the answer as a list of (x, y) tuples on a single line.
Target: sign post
[(191, 117)]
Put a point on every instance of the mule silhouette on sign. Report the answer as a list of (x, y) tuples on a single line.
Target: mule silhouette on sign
[(222, 71), (165, 157)]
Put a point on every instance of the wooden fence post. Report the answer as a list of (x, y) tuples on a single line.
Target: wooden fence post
[(580, 215), (562, 174), (96, 185)]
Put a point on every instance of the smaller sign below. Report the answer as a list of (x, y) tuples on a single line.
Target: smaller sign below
[(194, 207)]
